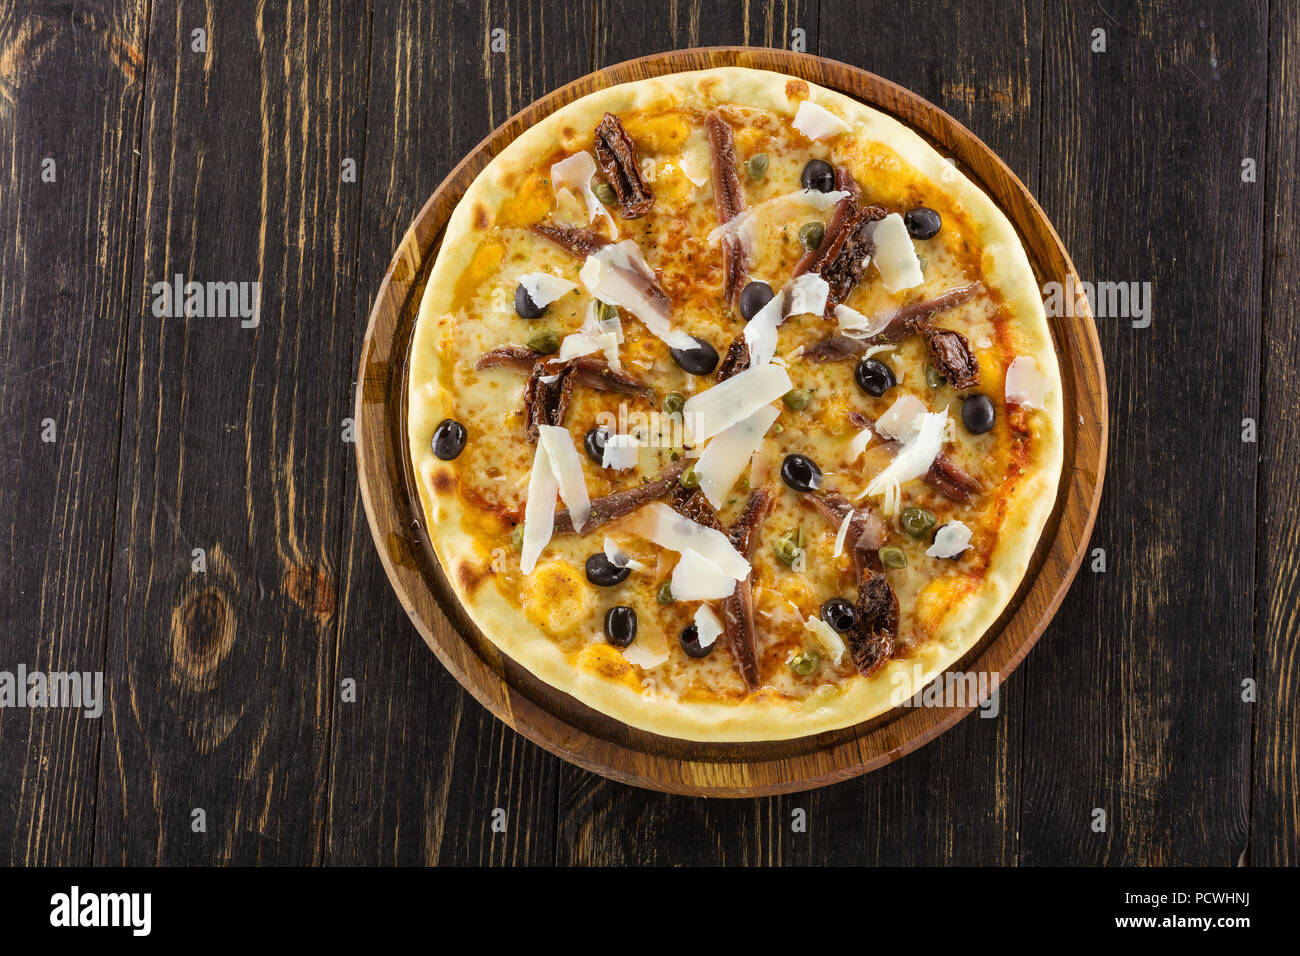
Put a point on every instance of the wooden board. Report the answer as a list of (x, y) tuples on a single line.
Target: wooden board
[(578, 733)]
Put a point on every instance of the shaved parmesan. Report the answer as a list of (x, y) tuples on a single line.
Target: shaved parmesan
[(817, 122), (912, 461), (707, 626), (666, 528), (807, 295), (544, 288), (696, 578), (831, 642), (854, 323), (728, 454), (575, 174), (618, 274), (572, 346), (1025, 385), (620, 452), (539, 510), (950, 540), (895, 256), (841, 535), (860, 442), (718, 408), (645, 655), (620, 558), (743, 227), (695, 168), (566, 466), (903, 418), (760, 332)]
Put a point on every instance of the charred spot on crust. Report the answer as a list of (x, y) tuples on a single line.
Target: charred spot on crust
[(796, 89), (468, 576), (443, 481), (480, 218)]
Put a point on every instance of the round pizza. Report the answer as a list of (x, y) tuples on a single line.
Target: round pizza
[(733, 406)]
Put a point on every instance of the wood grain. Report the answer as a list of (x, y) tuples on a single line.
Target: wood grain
[(65, 251)]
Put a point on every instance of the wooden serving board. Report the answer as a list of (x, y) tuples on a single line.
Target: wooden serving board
[(579, 734)]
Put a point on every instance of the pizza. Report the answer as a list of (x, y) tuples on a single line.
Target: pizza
[(732, 406)]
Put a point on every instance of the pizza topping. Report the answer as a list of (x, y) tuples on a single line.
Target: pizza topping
[(801, 473), (620, 625), (744, 225), (543, 341), (540, 289), (736, 360), (977, 413), (860, 441), (618, 274), (567, 468), (805, 663), (873, 636), (729, 201), (853, 323), (689, 502), (700, 359), (811, 234), (874, 377), (617, 155), (575, 174), (546, 397), (738, 607), (1025, 386), (665, 527), (831, 642), (619, 452), (619, 558), (817, 122), (903, 419), (708, 627), (951, 355), (917, 522), (845, 246), (922, 222), (913, 460), (818, 175), (539, 510), (525, 307), (950, 481), (839, 614), (574, 240), (729, 452), (895, 256), (696, 578), (797, 399), (753, 297), (950, 541), (619, 503), (805, 294), (449, 439), (604, 573), (690, 641), (716, 409), (757, 165), (590, 372)]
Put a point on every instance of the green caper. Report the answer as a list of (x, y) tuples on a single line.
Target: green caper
[(605, 193), (665, 595), (933, 378), (756, 166), (797, 398), (924, 261), (916, 521), (605, 311), (805, 663), (674, 403), (689, 479), (892, 557), (811, 234), (544, 341), (517, 538), (785, 549)]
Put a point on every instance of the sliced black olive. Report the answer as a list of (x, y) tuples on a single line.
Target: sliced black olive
[(753, 297), (839, 614), (620, 625), (449, 439), (977, 413), (819, 175), (701, 360), (525, 306), (874, 377), (922, 223), (603, 572), (691, 642), (801, 473), (594, 443)]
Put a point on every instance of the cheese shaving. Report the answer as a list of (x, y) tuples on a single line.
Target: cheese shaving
[(817, 122), (659, 523), (895, 255), (841, 535), (566, 466), (575, 174), (831, 642), (1025, 386), (716, 409), (696, 578), (707, 626), (728, 454), (950, 540), (618, 274), (912, 461), (539, 510), (544, 288)]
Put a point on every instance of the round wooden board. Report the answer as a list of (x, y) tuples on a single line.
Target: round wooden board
[(560, 723)]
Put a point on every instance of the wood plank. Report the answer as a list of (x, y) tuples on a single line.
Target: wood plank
[(70, 92), (223, 681), (625, 29), (1275, 831), (418, 765), (1134, 696)]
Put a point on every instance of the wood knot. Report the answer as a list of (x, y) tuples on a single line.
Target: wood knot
[(312, 589), (202, 631)]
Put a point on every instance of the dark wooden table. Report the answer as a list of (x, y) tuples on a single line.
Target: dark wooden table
[(224, 687)]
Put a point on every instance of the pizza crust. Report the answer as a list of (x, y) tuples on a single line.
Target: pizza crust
[(621, 694)]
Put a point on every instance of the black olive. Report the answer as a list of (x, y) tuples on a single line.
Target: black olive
[(525, 306), (449, 439), (922, 223), (874, 377), (691, 642), (753, 297), (840, 614), (701, 360), (977, 413), (819, 175), (594, 443), (603, 572), (620, 625), (801, 473)]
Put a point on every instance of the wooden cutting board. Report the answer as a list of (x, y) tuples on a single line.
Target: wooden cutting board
[(579, 734)]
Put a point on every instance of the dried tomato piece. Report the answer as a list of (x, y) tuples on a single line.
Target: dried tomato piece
[(616, 154)]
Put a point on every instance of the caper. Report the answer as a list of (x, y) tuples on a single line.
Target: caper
[(916, 521), (544, 341), (805, 663), (756, 166), (665, 595), (785, 549), (605, 193), (933, 378), (892, 557), (689, 479), (605, 311), (811, 234), (674, 403), (517, 538), (797, 398)]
